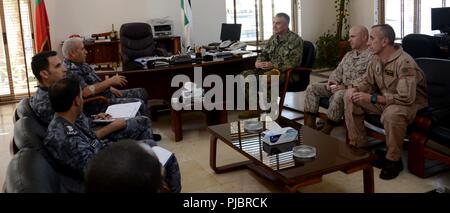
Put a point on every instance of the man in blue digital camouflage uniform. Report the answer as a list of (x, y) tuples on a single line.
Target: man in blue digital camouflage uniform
[(75, 62), (73, 145), (48, 68)]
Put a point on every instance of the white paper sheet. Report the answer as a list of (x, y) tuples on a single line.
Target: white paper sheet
[(162, 154), (122, 111)]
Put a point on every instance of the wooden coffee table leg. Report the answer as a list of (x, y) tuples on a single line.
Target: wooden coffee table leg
[(175, 117), (369, 186), (225, 168), (295, 188)]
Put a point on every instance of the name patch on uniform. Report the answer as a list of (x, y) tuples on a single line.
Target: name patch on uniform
[(389, 72), (70, 131)]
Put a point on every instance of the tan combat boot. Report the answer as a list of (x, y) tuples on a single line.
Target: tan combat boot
[(310, 120)]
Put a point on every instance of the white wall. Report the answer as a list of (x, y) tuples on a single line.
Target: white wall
[(85, 17), (208, 16), (318, 16), (362, 12)]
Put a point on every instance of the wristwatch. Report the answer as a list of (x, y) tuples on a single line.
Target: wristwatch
[(373, 99)]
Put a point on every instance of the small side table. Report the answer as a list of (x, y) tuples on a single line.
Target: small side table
[(213, 117)]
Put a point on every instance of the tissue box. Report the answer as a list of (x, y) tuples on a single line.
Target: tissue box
[(279, 136)]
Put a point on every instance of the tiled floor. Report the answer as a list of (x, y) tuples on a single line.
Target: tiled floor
[(193, 156)]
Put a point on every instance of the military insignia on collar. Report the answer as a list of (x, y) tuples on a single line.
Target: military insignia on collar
[(389, 72), (71, 131)]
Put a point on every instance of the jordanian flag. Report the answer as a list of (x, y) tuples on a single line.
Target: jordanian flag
[(42, 27), (186, 15)]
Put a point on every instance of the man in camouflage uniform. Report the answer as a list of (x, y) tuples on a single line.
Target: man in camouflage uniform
[(348, 72), (395, 87), (72, 145), (75, 62), (284, 50), (48, 68)]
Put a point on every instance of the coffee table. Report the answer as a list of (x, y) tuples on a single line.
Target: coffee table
[(277, 163)]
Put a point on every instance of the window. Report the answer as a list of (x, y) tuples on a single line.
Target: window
[(16, 49), (245, 12), (410, 16)]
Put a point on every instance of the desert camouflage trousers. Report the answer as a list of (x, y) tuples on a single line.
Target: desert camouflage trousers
[(395, 119), (319, 90)]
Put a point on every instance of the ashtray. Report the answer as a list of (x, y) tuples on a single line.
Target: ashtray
[(304, 151), (253, 126)]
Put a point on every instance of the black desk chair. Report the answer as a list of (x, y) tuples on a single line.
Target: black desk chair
[(137, 41), (419, 45), (297, 79), (432, 142)]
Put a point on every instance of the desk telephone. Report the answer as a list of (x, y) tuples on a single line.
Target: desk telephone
[(230, 45), (180, 59)]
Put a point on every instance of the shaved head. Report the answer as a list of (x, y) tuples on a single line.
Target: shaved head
[(359, 35), (360, 29)]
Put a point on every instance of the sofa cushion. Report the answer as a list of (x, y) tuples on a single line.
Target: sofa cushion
[(29, 133), (30, 172)]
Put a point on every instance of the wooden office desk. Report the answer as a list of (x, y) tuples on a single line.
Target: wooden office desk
[(157, 81)]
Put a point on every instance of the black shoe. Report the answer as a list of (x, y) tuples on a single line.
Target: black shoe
[(156, 137), (391, 169)]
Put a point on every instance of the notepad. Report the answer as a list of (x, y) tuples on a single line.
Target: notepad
[(121, 111)]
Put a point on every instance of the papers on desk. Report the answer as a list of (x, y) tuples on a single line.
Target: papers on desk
[(162, 154), (220, 54), (152, 58), (121, 111), (240, 52)]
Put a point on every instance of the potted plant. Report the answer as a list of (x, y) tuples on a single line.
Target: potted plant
[(341, 7), (327, 50), (333, 46)]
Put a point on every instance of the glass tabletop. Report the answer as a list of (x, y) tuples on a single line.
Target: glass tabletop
[(332, 154)]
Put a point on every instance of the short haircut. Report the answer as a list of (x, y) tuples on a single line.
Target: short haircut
[(63, 92), (387, 31), (69, 46), (285, 16), (40, 62), (124, 166)]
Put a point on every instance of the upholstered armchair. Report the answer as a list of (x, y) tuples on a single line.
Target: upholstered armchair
[(297, 79)]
